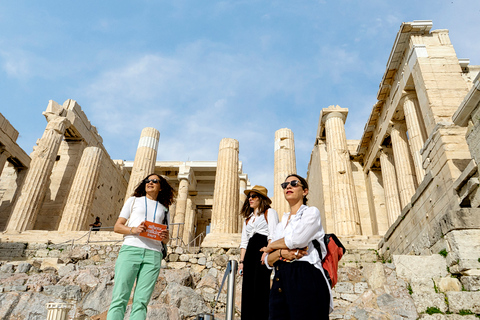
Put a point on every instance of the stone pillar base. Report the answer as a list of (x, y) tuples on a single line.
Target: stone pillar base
[(222, 240)]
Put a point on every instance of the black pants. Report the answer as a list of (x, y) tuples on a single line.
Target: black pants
[(256, 281), (299, 292)]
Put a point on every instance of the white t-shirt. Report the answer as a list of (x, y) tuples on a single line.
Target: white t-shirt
[(258, 224), (134, 209)]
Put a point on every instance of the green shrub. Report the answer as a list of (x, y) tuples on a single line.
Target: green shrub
[(432, 310), (443, 253), (464, 312)]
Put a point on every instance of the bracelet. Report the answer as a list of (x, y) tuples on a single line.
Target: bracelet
[(241, 261), (280, 258), (131, 230)]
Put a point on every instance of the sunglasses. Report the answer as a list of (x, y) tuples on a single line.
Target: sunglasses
[(152, 180), (293, 183), (253, 196)]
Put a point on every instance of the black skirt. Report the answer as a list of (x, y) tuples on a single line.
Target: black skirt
[(299, 292), (256, 281)]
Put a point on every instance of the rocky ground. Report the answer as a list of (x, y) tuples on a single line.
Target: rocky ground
[(409, 287)]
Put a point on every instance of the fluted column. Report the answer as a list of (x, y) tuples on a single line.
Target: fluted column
[(392, 201), (343, 197), (145, 158), (189, 230), (242, 197), (82, 191), (284, 164), (225, 194), (3, 158), (403, 166), (415, 137), (181, 207), (35, 184)]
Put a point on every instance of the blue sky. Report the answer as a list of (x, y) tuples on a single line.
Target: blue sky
[(199, 71)]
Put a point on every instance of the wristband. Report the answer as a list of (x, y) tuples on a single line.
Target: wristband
[(131, 230), (241, 261)]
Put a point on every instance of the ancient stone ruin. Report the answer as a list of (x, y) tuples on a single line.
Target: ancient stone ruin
[(404, 199)]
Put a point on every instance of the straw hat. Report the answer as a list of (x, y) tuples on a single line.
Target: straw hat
[(260, 190)]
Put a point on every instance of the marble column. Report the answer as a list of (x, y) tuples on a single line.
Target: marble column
[(145, 158), (284, 165), (343, 198), (415, 138), (35, 184), (3, 158), (403, 165), (181, 207), (242, 197), (82, 191), (392, 202), (226, 192), (190, 217)]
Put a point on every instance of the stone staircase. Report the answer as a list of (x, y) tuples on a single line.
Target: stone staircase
[(411, 287), (369, 287)]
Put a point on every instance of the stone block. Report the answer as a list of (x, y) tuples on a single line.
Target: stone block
[(471, 283), (448, 284), (464, 250), (422, 285), (344, 287), (360, 287), (426, 300), (23, 267), (374, 275), (409, 267), (7, 268), (464, 301), (177, 265)]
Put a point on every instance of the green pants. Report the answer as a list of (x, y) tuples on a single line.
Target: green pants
[(142, 265)]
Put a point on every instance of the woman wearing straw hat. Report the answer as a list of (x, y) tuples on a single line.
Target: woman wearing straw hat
[(258, 228)]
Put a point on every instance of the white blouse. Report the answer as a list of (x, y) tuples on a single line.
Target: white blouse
[(302, 228), (258, 224)]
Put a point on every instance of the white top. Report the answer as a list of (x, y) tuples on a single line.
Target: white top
[(258, 224), (134, 210), (302, 228)]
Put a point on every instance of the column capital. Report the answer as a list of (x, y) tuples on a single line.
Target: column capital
[(333, 111), (185, 173), (243, 177), (330, 112)]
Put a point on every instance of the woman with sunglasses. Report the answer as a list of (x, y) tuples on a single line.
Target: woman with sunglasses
[(140, 258), (300, 289), (258, 227)]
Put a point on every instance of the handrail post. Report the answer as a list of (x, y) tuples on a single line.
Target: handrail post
[(231, 291)]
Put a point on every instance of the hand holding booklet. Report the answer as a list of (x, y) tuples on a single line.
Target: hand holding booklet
[(153, 230)]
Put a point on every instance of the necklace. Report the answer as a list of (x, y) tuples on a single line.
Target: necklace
[(155, 212)]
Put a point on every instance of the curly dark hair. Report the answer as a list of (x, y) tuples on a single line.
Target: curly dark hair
[(304, 185), (246, 211), (166, 196)]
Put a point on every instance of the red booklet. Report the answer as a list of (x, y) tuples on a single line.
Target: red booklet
[(153, 230)]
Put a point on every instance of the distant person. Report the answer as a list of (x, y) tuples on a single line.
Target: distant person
[(300, 289), (258, 229), (140, 258), (96, 225)]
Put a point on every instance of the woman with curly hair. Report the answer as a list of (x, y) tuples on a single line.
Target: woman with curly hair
[(140, 258)]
